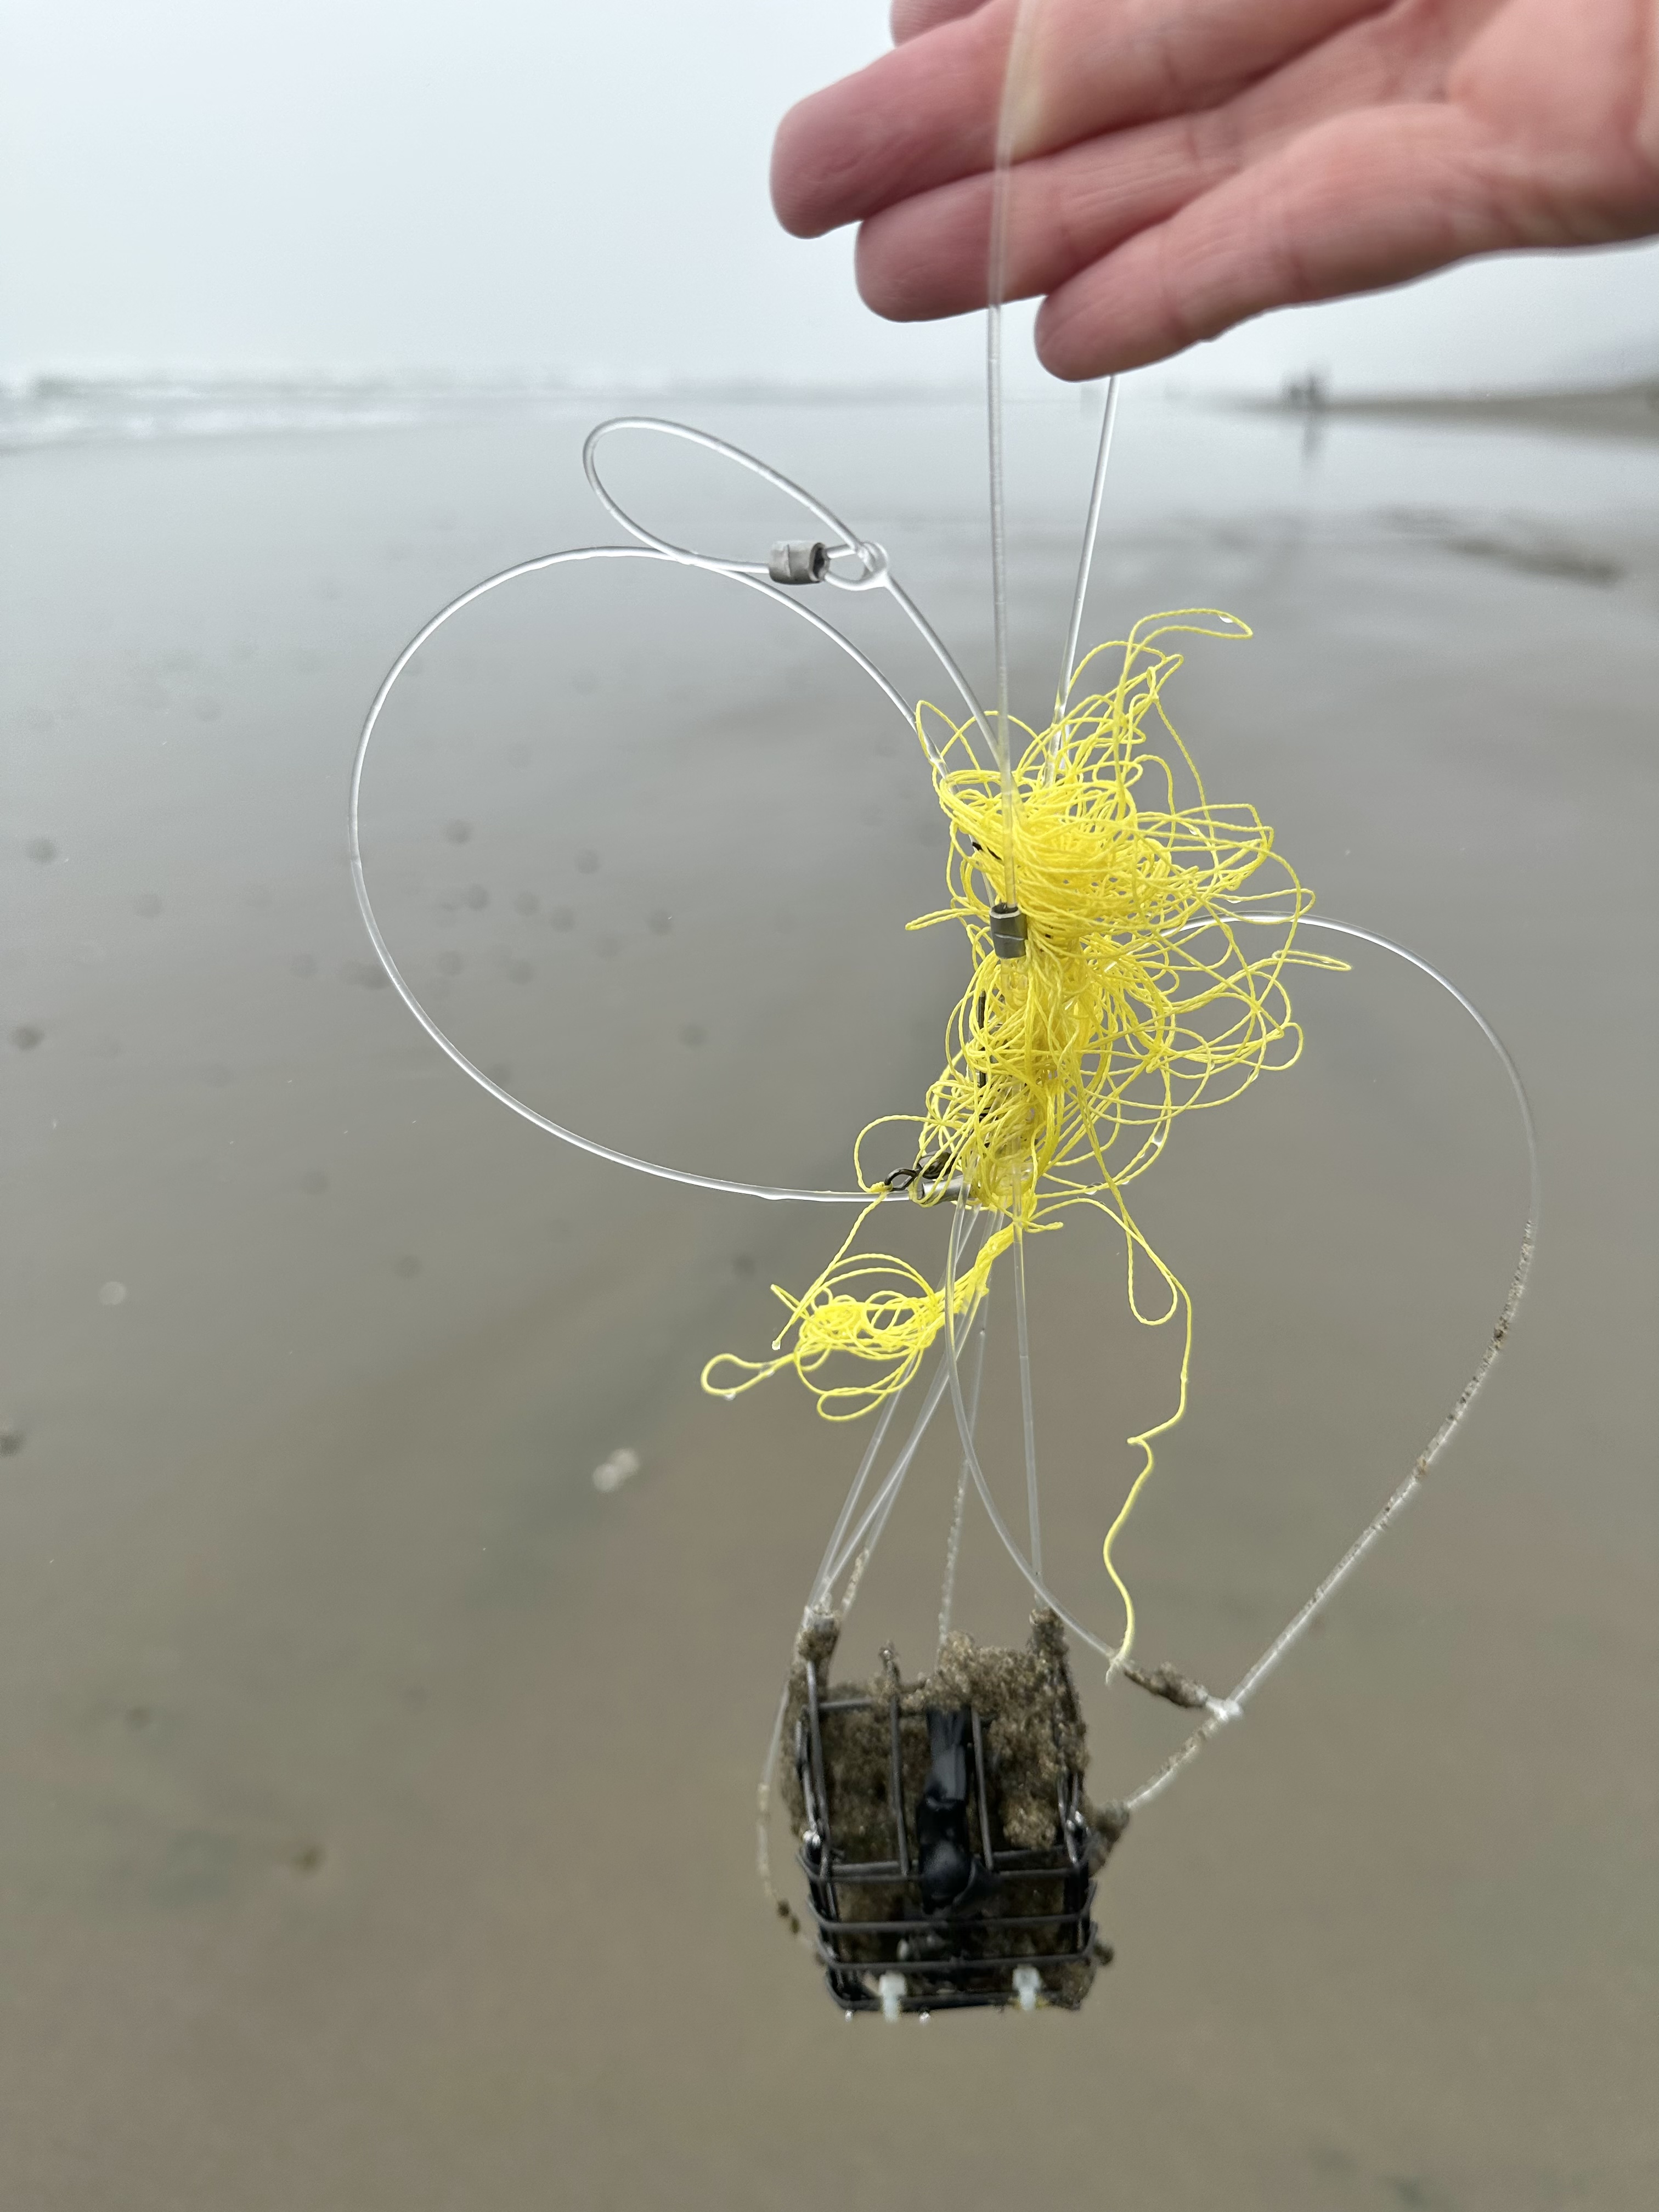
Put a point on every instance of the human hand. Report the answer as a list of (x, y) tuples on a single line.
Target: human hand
[(1185, 164)]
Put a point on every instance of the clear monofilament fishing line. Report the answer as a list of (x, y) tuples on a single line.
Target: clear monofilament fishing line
[(1160, 930)]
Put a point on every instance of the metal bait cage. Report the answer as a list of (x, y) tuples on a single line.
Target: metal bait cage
[(948, 1849)]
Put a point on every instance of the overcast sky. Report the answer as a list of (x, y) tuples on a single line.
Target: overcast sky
[(535, 185)]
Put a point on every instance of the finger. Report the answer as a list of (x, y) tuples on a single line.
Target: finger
[(926, 113), (910, 18), (929, 255), (920, 115), (1355, 204)]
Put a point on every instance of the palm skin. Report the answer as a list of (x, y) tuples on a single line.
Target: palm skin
[(1185, 164)]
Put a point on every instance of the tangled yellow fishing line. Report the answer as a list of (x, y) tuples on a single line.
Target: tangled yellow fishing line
[(1132, 1001)]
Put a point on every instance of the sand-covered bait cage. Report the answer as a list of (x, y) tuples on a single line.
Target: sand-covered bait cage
[(949, 1847)]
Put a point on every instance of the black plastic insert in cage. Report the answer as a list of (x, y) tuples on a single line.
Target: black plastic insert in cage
[(947, 1913)]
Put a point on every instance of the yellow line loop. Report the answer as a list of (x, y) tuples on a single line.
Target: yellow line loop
[(1134, 1002)]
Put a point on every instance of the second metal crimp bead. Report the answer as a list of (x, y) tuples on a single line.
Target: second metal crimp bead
[(1007, 931)]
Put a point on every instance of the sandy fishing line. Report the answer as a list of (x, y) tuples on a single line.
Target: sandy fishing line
[(1131, 942)]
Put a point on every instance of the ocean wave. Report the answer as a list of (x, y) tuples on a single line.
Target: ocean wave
[(62, 410), (51, 411)]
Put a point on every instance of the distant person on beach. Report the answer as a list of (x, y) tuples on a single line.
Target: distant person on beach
[(1185, 164)]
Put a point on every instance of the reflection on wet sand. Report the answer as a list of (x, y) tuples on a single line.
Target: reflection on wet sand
[(377, 1825)]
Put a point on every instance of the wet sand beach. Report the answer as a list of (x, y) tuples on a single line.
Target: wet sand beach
[(1624, 412), (377, 1819)]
